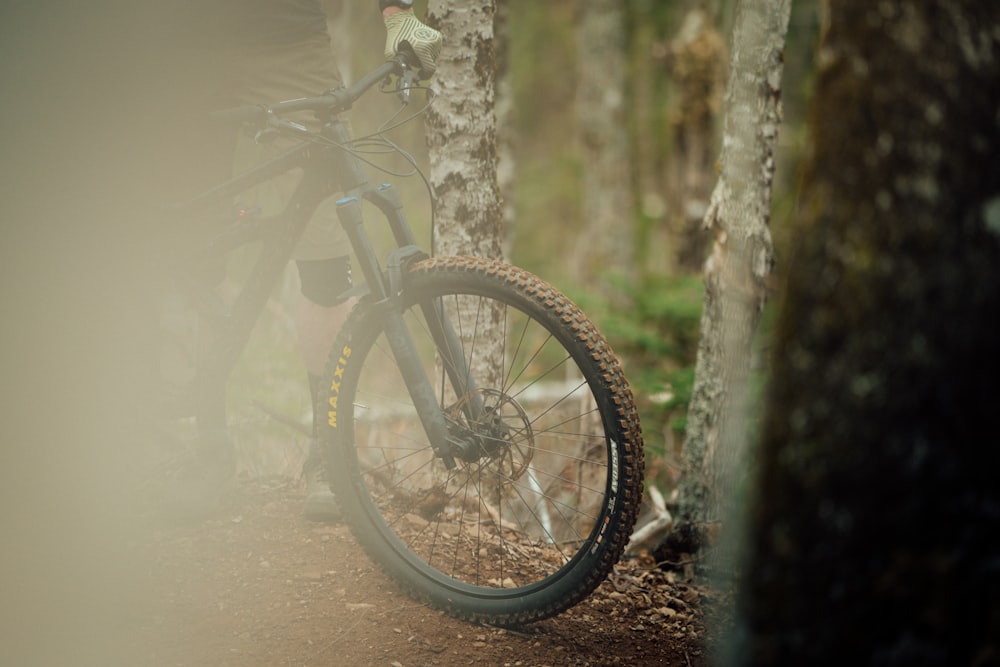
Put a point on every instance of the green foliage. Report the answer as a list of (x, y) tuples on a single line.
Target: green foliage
[(657, 325), (662, 342)]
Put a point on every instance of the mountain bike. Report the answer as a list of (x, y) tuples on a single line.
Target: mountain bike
[(480, 434)]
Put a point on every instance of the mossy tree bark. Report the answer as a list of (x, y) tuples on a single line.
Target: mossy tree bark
[(874, 529)]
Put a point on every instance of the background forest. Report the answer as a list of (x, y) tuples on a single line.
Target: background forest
[(673, 57)]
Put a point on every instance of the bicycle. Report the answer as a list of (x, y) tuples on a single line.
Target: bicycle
[(481, 436)]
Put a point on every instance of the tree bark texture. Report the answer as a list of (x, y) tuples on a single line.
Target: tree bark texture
[(739, 264), (604, 244), (461, 137), (874, 535), (461, 132)]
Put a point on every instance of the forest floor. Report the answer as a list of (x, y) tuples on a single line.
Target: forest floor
[(257, 584)]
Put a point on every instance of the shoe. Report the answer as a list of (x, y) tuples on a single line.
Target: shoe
[(321, 503)]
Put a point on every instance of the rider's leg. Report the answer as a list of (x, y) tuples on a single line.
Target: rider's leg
[(322, 308), (321, 313), (281, 71)]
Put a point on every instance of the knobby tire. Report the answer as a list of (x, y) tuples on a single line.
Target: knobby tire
[(536, 520)]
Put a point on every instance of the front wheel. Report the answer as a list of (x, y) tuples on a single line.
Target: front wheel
[(538, 508)]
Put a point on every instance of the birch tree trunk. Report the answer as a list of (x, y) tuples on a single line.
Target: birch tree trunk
[(604, 243), (461, 137), (874, 527), (461, 131), (738, 266)]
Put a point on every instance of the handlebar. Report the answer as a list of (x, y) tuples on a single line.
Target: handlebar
[(332, 102)]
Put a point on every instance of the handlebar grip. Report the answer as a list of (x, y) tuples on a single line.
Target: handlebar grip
[(336, 100), (340, 99)]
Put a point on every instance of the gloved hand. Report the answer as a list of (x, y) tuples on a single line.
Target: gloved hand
[(403, 26)]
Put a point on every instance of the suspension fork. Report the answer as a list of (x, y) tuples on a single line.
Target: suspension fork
[(385, 296), (447, 342), (400, 341)]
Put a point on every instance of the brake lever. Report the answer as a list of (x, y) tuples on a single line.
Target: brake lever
[(409, 80), (411, 70)]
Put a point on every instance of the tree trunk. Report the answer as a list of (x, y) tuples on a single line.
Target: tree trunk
[(604, 244), (874, 529), (738, 267), (461, 132), (461, 137)]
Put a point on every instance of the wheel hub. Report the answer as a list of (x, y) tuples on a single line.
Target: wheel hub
[(499, 436)]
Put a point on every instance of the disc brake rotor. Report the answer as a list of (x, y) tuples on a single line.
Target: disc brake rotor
[(500, 438)]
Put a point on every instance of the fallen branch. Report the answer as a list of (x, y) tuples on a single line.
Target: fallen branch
[(653, 531)]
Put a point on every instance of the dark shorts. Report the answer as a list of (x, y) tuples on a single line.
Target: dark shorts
[(273, 73)]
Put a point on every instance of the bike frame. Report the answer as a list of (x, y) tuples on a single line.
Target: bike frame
[(328, 167)]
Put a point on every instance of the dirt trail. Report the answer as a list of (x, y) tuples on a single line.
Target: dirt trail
[(259, 585)]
